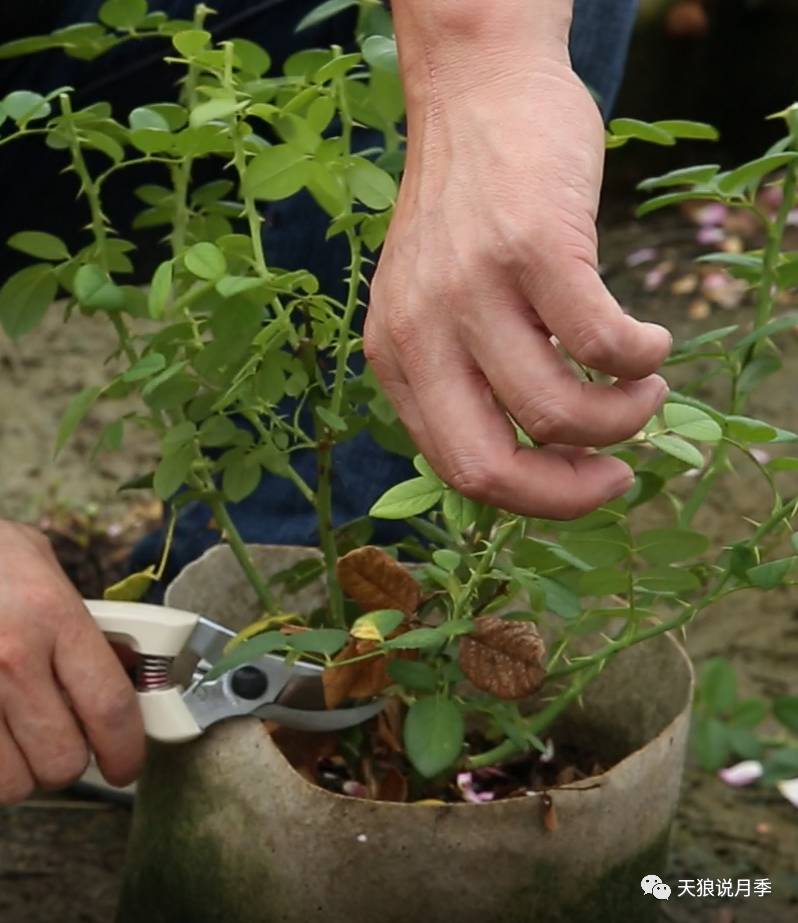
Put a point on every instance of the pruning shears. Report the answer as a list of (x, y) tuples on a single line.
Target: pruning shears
[(268, 687)]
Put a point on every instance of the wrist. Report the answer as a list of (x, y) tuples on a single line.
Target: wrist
[(454, 46)]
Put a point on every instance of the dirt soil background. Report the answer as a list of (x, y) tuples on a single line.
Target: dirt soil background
[(61, 857)]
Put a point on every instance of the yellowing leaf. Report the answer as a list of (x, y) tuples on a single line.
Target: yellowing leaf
[(132, 588)]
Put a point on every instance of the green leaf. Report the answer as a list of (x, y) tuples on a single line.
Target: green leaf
[(206, 261), (213, 110), (749, 431), (145, 367), (691, 423), (642, 131), (377, 625), (601, 548), (217, 431), (39, 244), (561, 600), (772, 574), (94, 288), (370, 185), (418, 639), (410, 498), (160, 290), (748, 177), (76, 410), (668, 581), (381, 54), (718, 686), (123, 14), (711, 336), (248, 652), (252, 58), (144, 117), (447, 559), (459, 510), (785, 321), (682, 128), (25, 298), (23, 105), (711, 744), (687, 176), (319, 641), (336, 423), (785, 710), (133, 587), (191, 42), (678, 448), (674, 198), (413, 675), (757, 371), (172, 471), (666, 546), (276, 173), (241, 477), (324, 12), (607, 581), (434, 735)]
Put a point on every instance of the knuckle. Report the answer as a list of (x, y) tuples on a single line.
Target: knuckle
[(593, 345), (15, 657), (116, 707), (542, 416), (63, 768), (472, 478)]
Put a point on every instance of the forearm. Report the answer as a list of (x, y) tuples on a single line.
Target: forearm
[(460, 44)]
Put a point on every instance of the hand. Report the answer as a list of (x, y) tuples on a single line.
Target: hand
[(492, 249), (62, 689)]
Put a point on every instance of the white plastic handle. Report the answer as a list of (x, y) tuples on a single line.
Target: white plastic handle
[(157, 631)]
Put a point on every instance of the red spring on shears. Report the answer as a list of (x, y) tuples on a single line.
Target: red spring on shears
[(153, 673)]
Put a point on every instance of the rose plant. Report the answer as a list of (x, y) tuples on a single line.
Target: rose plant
[(239, 365)]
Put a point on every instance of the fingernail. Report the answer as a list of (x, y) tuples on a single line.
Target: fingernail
[(665, 330), (662, 387), (621, 487)]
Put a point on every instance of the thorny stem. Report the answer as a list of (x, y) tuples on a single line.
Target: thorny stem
[(764, 308), (239, 548), (98, 227)]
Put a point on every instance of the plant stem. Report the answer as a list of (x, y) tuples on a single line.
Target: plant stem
[(502, 535), (239, 548), (764, 310), (538, 723)]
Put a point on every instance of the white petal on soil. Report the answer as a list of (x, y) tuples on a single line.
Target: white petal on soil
[(789, 788), (740, 774)]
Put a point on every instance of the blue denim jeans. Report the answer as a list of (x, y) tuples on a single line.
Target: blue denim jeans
[(294, 236)]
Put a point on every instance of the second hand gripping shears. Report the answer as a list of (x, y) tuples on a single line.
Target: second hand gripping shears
[(268, 687)]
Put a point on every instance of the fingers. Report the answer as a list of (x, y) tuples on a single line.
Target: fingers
[(16, 780), (46, 733), (102, 698), (467, 438), (535, 384), (575, 305)]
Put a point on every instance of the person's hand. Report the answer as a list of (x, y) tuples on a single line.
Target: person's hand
[(63, 692), (492, 249)]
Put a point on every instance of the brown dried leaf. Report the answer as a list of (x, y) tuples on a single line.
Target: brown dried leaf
[(503, 658), (549, 813), (360, 680), (392, 786), (374, 580), (304, 750), (389, 726)]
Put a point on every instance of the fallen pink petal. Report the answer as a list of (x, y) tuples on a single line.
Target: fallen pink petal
[(789, 788), (741, 774)]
